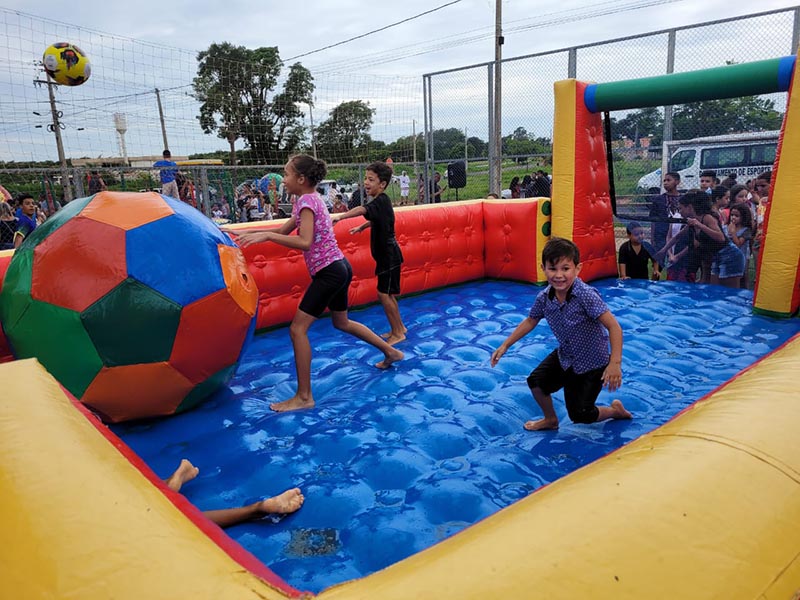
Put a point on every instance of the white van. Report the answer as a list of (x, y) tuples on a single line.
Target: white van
[(746, 154)]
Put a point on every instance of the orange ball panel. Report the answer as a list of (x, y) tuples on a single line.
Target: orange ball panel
[(152, 389), (240, 283), (127, 210), (93, 265), (201, 346)]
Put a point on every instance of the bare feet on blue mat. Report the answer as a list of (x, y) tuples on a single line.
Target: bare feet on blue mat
[(294, 403), (390, 358), (541, 425)]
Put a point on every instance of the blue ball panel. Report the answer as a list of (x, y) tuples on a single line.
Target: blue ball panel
[(173, 258)]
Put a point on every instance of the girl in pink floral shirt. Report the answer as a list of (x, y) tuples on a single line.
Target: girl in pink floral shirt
[(330, 274)]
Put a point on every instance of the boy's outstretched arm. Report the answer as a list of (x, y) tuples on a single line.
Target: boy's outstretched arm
[(353, 212), (523, 329), (612, 376)]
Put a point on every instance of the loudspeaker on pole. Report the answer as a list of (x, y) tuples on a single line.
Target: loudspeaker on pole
[(457, 174)]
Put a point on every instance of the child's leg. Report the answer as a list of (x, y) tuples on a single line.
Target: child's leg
[(343, 323), (285, 503), (580, 395), (615, 411), (298, 332), (392, 310), (185, 472), (545, 379), (545, 402)]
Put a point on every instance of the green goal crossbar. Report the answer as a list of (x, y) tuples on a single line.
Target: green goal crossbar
[(731, 81)]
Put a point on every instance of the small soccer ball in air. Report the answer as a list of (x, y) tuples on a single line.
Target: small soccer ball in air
[(136, 303), (66, 64)]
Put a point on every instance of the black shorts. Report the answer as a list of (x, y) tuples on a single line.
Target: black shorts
[(328, 289), (389, 279), (580, 390)]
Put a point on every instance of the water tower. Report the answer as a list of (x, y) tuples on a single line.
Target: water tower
[(121, 125)]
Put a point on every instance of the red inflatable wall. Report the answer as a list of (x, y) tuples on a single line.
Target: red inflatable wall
[(511, 239), (594, 222), (5, 351), (442, 244)]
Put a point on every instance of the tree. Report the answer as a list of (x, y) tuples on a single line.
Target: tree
[(639, 124), (522, 144), (720, 117), (344, 135), (233, 84)]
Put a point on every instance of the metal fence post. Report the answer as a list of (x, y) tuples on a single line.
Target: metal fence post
[(490, 88), (670, 69), (572, 63)]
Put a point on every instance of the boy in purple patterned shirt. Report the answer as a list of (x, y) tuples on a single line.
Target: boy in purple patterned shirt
[(583, 326)]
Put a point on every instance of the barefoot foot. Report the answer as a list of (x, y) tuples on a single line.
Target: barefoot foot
[(390, 358), (541, 425), (395, 339), (620, 412), (285, 503), (186, 471), (293, 403)]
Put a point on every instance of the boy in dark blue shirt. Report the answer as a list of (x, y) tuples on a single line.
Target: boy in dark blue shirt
[(379, 216), (26, 219), (583, 326)]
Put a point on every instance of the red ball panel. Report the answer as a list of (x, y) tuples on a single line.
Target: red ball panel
[(151, 390), (78, 264), (202, 347)]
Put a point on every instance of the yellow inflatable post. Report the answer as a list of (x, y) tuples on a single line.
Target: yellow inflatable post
[(777, 290)]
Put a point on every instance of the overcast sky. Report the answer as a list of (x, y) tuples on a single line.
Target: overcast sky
[(167, 36)]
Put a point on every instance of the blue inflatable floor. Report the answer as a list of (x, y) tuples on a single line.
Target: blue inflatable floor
[(392, 462)]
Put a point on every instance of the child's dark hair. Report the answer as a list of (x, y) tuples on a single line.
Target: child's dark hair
[(674, 174), (382, 170), (700, 201), (557, 248), (745, 214), (718, 192), (632, 225), (309, 167), (712, 174)]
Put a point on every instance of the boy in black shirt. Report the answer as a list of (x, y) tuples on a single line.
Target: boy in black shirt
[(383, 244), (634, 255)]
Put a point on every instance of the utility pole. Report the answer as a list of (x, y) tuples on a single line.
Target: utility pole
[(161, 117), (496, 180), (313, 135), (56, 127)]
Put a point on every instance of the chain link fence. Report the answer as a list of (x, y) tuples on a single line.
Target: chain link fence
[(459, 102)]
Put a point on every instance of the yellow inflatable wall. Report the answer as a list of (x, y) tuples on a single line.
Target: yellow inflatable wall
[(707, 506)]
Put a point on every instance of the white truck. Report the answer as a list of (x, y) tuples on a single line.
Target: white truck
[(745, 154)]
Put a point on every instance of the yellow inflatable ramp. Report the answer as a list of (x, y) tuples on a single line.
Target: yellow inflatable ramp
[(707, 506), (82, 521)]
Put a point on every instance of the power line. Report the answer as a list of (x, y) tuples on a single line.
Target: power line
[(558, 18), (358, 37)]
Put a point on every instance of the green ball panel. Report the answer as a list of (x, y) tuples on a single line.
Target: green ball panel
[(546, 229), (132, 324), (204, 389), (16, 294), (57, 220), (56, 337)]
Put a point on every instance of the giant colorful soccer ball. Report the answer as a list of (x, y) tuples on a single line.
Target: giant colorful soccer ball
[(137, 303), (66, 64)]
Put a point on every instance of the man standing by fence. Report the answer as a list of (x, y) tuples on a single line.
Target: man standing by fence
[(169, 186)]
